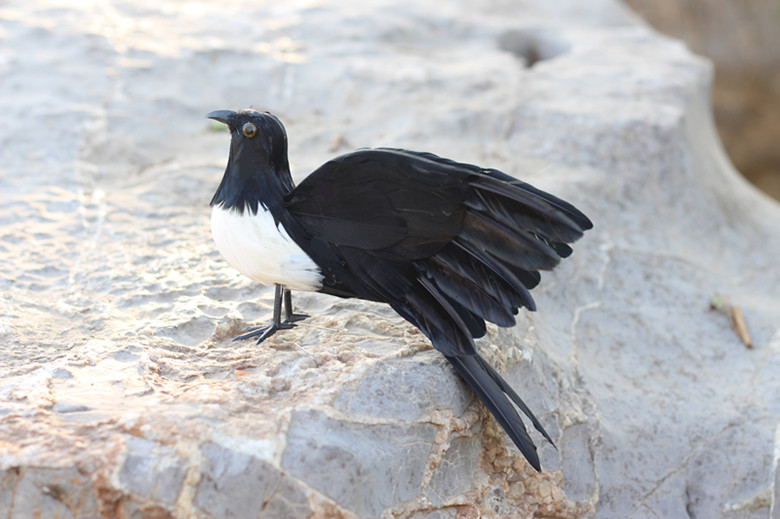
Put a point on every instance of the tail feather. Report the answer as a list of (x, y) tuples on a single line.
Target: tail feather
[(441, 319), (506, 388), (493, 394)]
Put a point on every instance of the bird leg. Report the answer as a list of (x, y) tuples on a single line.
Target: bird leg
[(264, 332), (288, 309)]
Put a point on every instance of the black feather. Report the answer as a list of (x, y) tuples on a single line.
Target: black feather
[(479, 299), (544, 207), (506, 388), (472, 369), (513, 247), (475, 323), (575, 215), (529, 278), (502, 284), (512, 214)]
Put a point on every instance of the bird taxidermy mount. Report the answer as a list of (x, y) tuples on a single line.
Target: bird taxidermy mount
[(447, 245)]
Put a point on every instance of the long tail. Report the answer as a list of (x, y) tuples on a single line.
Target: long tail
[(495, 393)]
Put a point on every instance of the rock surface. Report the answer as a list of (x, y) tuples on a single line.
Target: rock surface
[(122, 395)]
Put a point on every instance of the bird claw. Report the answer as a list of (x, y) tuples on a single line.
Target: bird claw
[(281, 296), (263, 332)]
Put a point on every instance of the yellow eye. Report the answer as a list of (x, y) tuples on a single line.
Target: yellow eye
[(250, 130)]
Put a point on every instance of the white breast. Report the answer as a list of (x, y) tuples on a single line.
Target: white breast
[(253, 245)]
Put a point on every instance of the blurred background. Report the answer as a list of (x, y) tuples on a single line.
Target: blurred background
[(742, 38)]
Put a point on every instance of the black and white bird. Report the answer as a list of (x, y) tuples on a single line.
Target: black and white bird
[(446, 245)]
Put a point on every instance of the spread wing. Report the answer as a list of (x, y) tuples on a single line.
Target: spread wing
[(444, 243), (447, 245)]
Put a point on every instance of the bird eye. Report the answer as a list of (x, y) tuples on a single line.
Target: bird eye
[(250, 130)]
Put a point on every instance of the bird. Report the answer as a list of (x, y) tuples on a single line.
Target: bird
[(447, 245)]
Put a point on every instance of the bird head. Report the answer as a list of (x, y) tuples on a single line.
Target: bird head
[(259, 135), (257, 170)]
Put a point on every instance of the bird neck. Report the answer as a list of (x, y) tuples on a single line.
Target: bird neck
[(264, 189)]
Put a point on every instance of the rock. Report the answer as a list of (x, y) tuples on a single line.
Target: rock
[(152, 471), (121, 393), (222, 491), (365, 469)]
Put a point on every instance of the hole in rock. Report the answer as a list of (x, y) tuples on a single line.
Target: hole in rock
[(533, 44)]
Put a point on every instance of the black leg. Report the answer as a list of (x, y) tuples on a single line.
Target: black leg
[(263, 332), (288, 309)]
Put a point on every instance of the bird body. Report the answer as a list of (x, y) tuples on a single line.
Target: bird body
[(447, 245)]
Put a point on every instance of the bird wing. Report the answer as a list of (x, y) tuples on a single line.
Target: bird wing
[(465, 243), (446, 245), (379, 200)]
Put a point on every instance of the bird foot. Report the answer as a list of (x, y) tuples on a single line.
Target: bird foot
[(281, 296), (263, 332)]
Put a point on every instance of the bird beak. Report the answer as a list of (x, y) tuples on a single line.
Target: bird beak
[(220, 115)]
